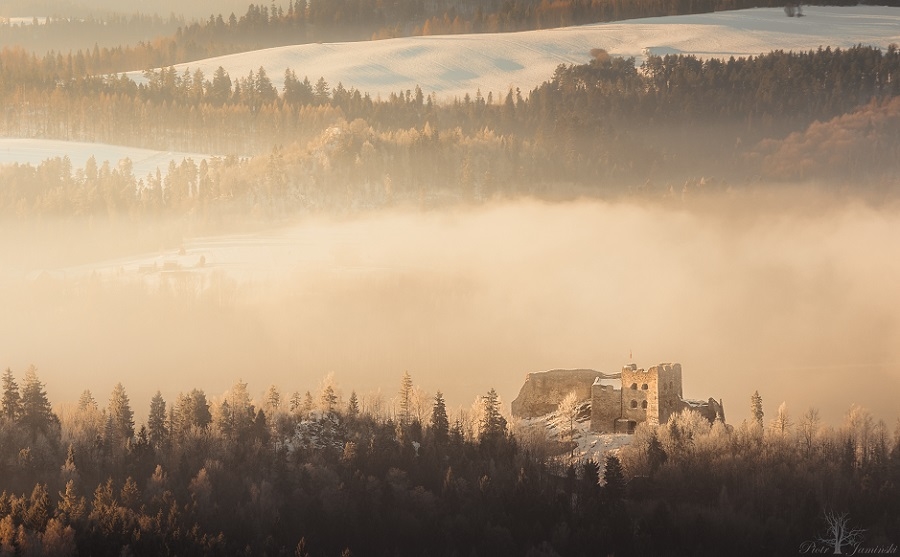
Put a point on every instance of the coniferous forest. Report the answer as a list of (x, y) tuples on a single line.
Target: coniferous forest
[(606, 129), (321, 474), (314, 471)]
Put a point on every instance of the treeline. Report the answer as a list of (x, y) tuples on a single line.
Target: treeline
[(70, 34), (119, 43), (771, 93), (603, 128), (299, 475), (319, 474), (779, 482)]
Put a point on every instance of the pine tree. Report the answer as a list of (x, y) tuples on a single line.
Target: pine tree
[(307, 405), (130, 496), (120, 414), (156, 420), (493, 424), (11, 404), (296, 402), (37, 414), (225, 421), (353, 406), (440, 424), (406, 386), (69, 470), (613, 478), (38, 509), (201, 416), (328, 399), (236, 413), (756, 410), (273, 400), (71, 507), (656, 454), (87, 402)]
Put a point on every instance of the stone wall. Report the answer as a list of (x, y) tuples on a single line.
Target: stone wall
[(636, 386), (619, 401), (543, 390), (606, 405)]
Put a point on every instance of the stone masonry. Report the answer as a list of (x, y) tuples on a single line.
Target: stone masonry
[(619, 401)]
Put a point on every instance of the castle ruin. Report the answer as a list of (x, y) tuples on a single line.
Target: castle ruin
[(619, 401)]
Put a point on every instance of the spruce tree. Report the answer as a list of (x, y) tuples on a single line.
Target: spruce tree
[(121, 414), (11, 404), (156, 420), (406, 386), (38, 512), (353, 406), (440, 424), (493, 424), (756, 410), (37, 414), (613, 478), (200, 414)]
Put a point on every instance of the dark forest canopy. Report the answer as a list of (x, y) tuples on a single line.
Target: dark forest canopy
[(316, 474)]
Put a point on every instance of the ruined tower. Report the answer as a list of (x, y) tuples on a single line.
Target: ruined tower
[(650, 395)]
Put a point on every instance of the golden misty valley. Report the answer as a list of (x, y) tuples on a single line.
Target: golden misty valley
[(447, 278)]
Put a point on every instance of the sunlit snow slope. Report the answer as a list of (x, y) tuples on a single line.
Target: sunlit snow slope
[(454, 65), (143, 161)]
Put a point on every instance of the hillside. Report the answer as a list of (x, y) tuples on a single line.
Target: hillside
[(455, 65)]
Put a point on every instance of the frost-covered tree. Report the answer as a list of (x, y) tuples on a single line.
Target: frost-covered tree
[(756, 409), (156, 420), (273, 400), (782, 422), (37, 414), (71, 506), (808, 429), (328, 400), (296, 402), (87, 402), (120, 414), (201, 416), (568, 410), (39, 509), (493, 424), (406, 387), (11, 404), (353, 405)]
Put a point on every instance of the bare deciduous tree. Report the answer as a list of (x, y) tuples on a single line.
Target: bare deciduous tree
[(568, 409), (840, 535)]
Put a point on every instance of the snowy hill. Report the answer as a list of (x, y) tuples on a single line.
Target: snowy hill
[(451, 66), (144, 161), (573, 438)]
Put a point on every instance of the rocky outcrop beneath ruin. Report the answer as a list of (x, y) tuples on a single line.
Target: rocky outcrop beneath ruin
[(543, 390)]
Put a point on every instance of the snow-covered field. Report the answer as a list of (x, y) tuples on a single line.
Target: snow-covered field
[(34, 151), (451, 66), (22, 21)]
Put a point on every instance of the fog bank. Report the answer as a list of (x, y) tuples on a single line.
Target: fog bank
[(793, 295)]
